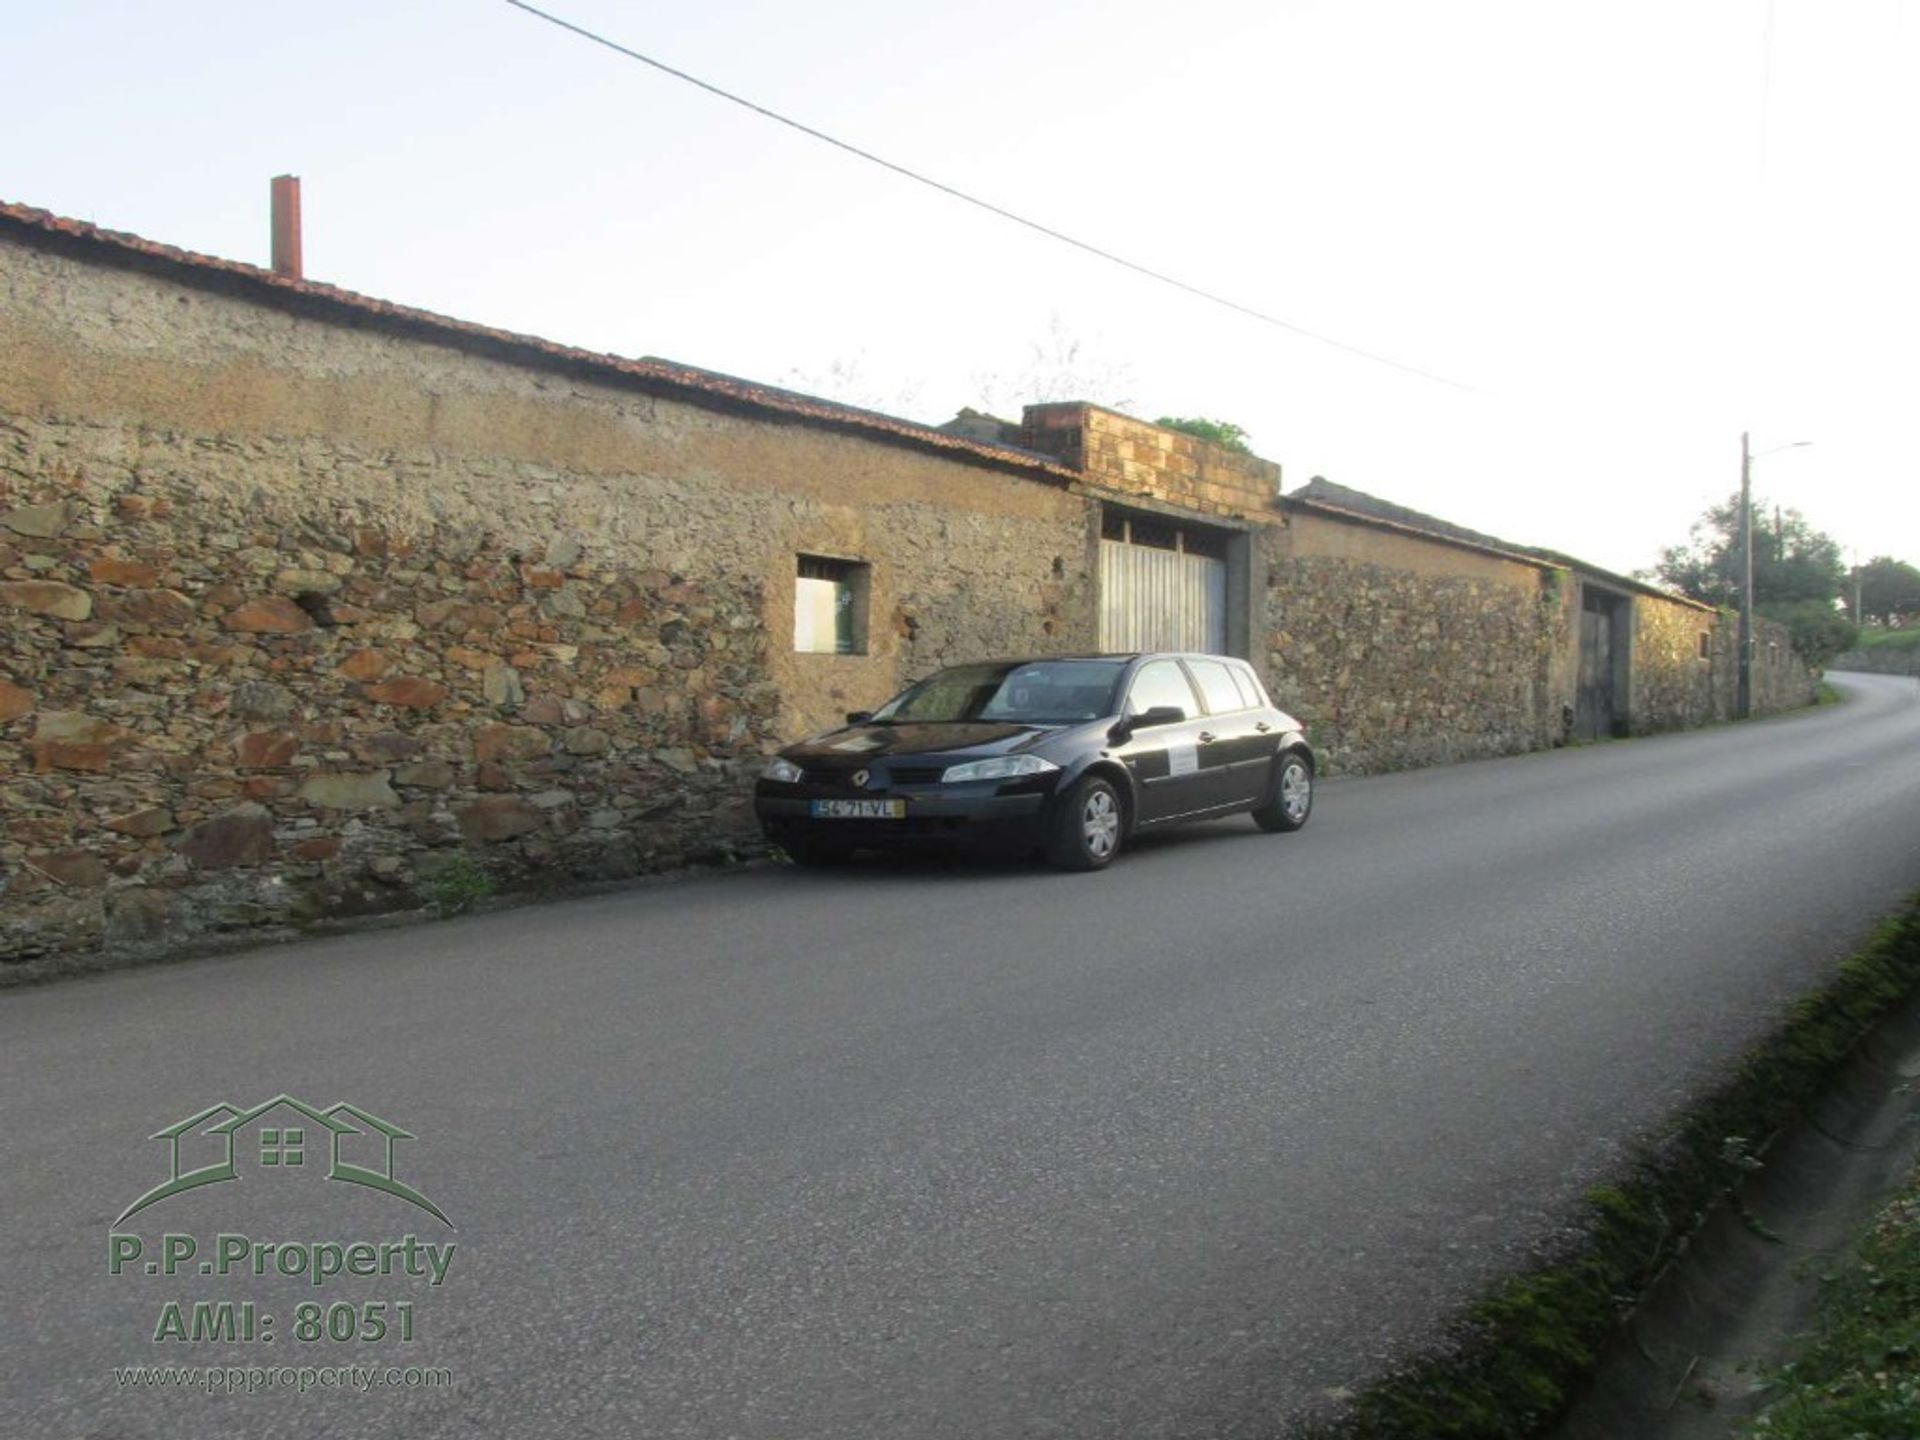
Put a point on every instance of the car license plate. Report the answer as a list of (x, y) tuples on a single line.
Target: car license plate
[(857, 809)]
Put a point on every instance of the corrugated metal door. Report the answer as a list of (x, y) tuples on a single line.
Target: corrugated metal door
[(1155, 599)]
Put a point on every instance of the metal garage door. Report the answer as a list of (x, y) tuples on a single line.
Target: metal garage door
[(1159, 597)]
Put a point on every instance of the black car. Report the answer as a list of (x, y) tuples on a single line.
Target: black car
[(1068, 756)]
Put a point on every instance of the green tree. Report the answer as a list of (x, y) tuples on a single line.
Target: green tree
[(1798, 575), (1791, 560), (1819, 631), (1889, 590), (1223, 433)]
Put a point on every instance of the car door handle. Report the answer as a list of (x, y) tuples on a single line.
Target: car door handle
[(1207, 737), (1262, 726)]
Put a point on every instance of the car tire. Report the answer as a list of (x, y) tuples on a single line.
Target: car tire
[(816, 854), (1087, 829), (1289, 794)]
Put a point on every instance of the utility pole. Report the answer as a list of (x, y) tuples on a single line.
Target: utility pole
[(1743, 701)]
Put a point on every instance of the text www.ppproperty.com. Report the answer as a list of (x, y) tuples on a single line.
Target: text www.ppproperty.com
[(256, 1379)]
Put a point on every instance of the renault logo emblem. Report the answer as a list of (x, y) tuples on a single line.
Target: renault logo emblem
[(860, 778)]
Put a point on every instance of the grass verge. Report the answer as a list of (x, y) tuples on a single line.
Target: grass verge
[(1859, 1376), (1508, 1367), (1903, 639)]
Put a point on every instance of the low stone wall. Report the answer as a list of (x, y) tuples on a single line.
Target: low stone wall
[(1781, 679), (1880, 660)]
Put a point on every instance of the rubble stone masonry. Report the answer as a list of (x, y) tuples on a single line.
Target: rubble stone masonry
[(1399, 652), (296, 616)]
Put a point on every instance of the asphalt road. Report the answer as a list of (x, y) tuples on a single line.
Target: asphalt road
[(979, 1152)]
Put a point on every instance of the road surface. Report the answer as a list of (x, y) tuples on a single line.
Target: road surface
[(912, 1151)]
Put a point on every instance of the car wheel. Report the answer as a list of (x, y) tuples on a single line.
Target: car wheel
[(1290, 800), (816, 854), (1087, 830)]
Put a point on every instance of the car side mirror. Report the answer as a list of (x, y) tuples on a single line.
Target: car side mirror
[(859, 717), (1124, 727)]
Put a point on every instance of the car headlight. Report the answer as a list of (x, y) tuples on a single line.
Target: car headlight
[(1001, 767), (783, 770)]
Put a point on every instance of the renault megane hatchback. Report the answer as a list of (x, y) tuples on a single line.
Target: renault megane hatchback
[(1067, 756)]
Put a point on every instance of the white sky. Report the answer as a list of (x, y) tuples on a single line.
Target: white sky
[(1585, 214)]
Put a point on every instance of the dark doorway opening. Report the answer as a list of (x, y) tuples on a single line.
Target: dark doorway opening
[(1600, 709)]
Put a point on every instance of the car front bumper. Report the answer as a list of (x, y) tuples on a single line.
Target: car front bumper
[(955, 817)]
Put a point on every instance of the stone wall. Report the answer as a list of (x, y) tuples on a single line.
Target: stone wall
[(1781, 679), (947, 585), (1685, 666), (1880, 660), (1398, 651), (236, 709), (303, 620)]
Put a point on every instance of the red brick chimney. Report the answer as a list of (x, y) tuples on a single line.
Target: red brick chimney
[(286, 226)]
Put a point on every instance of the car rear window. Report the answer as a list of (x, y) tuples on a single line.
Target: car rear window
[(1249, 688), (1216, 686)]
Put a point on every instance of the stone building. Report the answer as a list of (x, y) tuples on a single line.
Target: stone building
[(312, 605), (1616, 656)]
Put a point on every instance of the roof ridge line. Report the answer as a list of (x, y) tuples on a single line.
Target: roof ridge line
[(713, 385)]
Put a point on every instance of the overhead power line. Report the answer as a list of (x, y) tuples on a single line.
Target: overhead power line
[(987, 205)]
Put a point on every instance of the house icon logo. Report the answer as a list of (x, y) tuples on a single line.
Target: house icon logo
[(223, 1142)]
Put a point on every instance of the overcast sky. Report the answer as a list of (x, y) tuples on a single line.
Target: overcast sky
[(1623, 232)]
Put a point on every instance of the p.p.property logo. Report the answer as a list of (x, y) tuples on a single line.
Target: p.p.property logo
[(283, 1133), (267, 1145)]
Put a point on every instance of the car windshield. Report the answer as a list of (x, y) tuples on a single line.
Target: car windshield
[(1040, 692)]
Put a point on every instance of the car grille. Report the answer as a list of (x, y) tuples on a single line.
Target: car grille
[(883, 776), (916, 774)]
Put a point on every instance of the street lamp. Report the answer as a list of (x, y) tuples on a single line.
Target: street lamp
[(1743, 702)]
